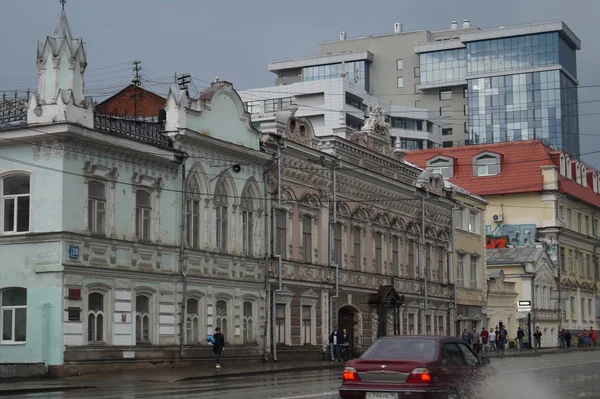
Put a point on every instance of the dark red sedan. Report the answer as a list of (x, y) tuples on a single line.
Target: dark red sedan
[(414, 367)]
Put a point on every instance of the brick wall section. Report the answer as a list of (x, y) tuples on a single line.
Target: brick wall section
[(122, 103)]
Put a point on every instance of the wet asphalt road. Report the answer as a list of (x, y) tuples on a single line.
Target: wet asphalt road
[(558, 376)]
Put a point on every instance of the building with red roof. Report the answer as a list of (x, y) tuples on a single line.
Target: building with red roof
[(536, 196)]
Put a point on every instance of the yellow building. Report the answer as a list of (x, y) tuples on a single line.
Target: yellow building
[(536, 196), (468, 259)]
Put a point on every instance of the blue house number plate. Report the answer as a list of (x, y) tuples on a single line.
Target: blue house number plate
[(73, 251)]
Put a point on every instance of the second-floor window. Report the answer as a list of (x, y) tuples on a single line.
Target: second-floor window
[(378, 253), (441, 256), (281, 232), (221, 217), (356, 240), (307, 238), (474, 221), (411, 258), (395, 257), (460, 270), (474, 262), (193, 223), (96, 207), (337, 244), (428, 260), (143, 211), (15, 204)]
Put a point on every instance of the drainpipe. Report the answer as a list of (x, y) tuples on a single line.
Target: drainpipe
[(560, 265), (451, 269), (276, 255), (266, 259), (184, 157), (422, 266), (333, 262)]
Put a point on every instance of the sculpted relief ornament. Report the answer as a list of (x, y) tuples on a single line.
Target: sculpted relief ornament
[(376, 122)]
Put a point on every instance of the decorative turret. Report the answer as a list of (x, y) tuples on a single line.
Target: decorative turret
[(61, 62)]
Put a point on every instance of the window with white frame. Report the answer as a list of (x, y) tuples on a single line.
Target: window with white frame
[(577, 172), (474, 221), (474, 269), (13, 316), (281, 232), (562, 165), (307, 238), (442, 165), (96, 318), (142, 319), (15, 203), (569, 167), (192, 321), (378, 242), (399, 64), (193, 222), (395, 256), (248, 322), (221, 217), (461, 218), (280, 323), (337, 243), (96, 207), (143, 215), (583, 176), (487, 164), (400, 82), (221, 317), (307, 324), (356, 236), (248, 226), (460, 270)]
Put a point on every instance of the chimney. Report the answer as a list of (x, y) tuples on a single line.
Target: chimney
[(397, 28), (466, 24), (342, 35), (454, 25)]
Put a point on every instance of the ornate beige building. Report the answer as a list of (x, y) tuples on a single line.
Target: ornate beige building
[(347, 217)]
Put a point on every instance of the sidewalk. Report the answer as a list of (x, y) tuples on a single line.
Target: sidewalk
[(162, 375), (531, 353)]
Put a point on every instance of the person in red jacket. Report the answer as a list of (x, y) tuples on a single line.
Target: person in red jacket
[(485, 335), (592, 335)]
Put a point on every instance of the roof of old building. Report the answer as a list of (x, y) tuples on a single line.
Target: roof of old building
[(513, 256), (521, 163)]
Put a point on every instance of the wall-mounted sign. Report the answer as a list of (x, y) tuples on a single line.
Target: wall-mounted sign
[(524, 306), (74, 314), (73, 251)]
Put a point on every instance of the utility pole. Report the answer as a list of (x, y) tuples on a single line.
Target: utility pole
[(137, 82), (184, 81)]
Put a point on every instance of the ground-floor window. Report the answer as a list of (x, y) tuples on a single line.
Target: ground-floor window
[(307, 324), (280, 323), (13, 317)]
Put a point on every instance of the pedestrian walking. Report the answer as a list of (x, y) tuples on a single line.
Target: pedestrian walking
[(476, 341), (485, 335), (344, 346), (492, 341), (568, 339), (334, 342), (537, 337), (219, 345), (520, 335), (593, 337), (467, 337)]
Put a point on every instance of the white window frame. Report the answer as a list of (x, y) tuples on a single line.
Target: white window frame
[(249, 331), (95, 314), (562, 165), (194, 320), (94, 213), (279, 326), (226, 328), (143, 214), (193, 222), (460, 269), (473, 271), (8, 174), (442, 165), (400, 82), (483, 162), (578, 172), (154, 187), (108, 177), (583, 176), (13, 310), (107, 313), (399, 64), (474, 222), (151, 315), (569, 167)]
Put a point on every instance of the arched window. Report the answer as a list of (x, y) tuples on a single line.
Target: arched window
[(281, 232), (337, 244), (143, 211), (378, 241), (248, 322), (248, 226), (13, 315), (15, 204), (96, 318), (142, 319), (221, 319), (221, 221), (192, 321), (193, 223), (96, 207), (356, 232)]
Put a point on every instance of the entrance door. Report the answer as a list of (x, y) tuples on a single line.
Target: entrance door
[(346, 320)]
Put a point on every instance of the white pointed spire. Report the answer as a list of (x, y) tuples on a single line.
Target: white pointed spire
[(63, 30)]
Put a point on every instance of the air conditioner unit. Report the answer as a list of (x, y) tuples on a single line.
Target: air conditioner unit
[(498, 218)]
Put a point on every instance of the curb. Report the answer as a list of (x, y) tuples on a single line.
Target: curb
[(59, 388), (332, 366), (541, 353)]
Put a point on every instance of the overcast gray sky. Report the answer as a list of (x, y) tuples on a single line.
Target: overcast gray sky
[(234, 39)]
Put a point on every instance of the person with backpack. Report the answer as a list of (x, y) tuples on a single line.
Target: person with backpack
[(520, 335)]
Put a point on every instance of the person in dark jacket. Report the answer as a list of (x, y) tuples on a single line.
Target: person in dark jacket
[(219, 345)]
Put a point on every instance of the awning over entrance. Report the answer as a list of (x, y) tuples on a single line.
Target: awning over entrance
[(388, 302)]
